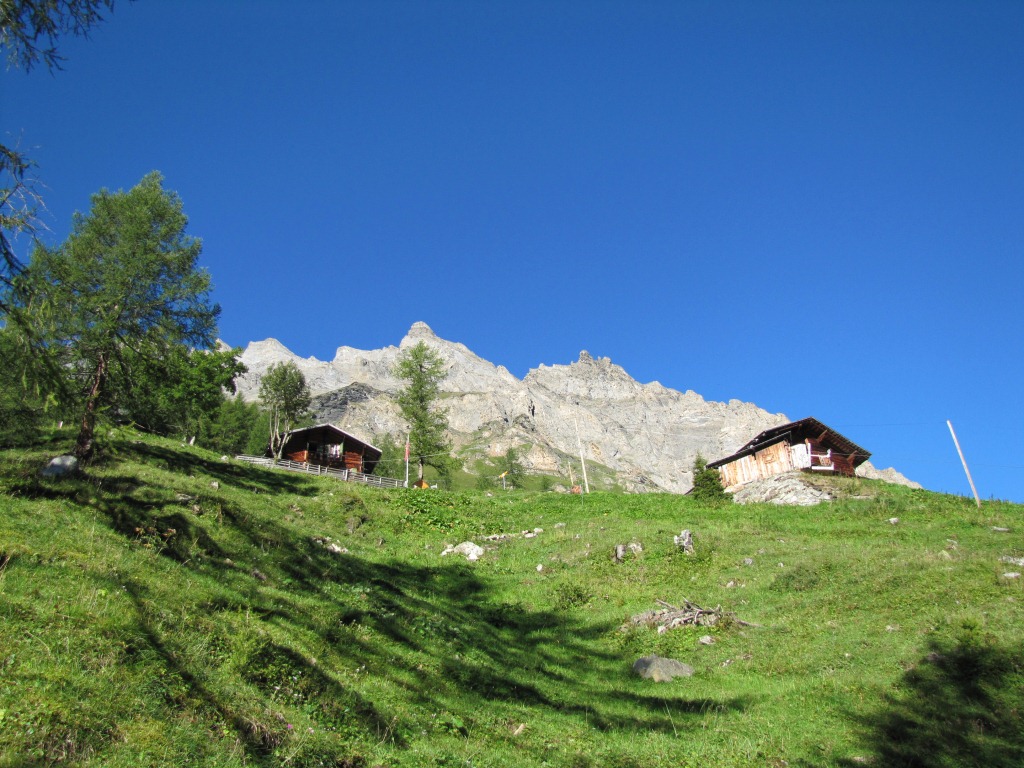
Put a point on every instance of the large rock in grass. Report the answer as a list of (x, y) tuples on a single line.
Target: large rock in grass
[(661, 670), (61, 466)]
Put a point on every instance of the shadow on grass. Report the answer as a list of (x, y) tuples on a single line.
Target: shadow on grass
[(962, 705), (317, 623)]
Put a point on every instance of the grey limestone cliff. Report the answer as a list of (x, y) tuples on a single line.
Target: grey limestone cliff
[(647, 435)]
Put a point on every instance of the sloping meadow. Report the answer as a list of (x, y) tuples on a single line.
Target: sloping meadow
[(171, 608)]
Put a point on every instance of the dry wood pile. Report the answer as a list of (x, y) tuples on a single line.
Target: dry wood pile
[(689, 615)]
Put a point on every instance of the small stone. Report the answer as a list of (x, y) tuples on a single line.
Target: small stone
[(706, 640), (660, 669), (1012, 575), (893, 520), (529, 535), (999, 529), (215, 485), (1012, 560), (559, 525), (748, 561), (467, 549), (540, 568), (730, 584), (635, 548)]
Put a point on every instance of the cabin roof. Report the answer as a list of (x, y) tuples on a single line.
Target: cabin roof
[(797, 431), (326, 431)]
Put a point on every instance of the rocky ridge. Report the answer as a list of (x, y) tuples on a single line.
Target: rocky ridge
[(647, 434)]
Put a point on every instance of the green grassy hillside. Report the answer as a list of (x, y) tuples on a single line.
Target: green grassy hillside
[(170, 608)]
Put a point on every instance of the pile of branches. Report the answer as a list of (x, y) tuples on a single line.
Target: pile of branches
[(689, 615)]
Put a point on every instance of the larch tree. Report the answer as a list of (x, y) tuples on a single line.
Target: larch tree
[(123, 288), (423, 371), (285, 396)]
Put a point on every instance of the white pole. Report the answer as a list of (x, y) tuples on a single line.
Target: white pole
[(407, 439), (964, 462), (583, 464)]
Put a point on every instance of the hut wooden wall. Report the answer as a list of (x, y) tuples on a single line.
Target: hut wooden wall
[(768, 462)]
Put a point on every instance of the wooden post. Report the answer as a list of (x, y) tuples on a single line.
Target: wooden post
[(964, 462)]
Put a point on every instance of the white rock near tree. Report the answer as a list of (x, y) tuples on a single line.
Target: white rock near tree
[(647, 434)]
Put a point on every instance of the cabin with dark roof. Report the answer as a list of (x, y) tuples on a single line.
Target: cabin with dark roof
[(330, 446), (800, 445)]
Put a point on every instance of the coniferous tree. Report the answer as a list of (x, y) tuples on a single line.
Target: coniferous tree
[(707, 483), (423, 371), (122, 292)]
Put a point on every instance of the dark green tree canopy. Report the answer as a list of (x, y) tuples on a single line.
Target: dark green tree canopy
[(423, 371), (707, 483), (124, 290)]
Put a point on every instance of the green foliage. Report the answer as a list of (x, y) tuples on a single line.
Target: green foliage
[(423, 371), (235, 425), (182, 394), (392, 459), (122, 294), (285, 395), (511, 466), (30, 30), (707, 484)]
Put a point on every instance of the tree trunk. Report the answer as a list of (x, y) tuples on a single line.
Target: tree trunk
[(86, 433)]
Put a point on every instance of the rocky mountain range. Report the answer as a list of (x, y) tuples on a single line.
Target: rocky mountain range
[(642, 437)]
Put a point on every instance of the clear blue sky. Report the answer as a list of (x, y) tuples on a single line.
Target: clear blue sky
[(816, 207)]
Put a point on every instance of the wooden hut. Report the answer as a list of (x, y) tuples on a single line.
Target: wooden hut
[(806, 445), (330, 446)]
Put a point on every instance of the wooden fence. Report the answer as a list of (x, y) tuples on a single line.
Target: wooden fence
[(318, 469)]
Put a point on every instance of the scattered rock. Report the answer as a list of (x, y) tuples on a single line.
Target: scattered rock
[(1011, 575), (225, 458), (467, 549), (540, 568), (258, 575), (1012, 560), (635, 547), (790, 488), (684, 541), (660, 669), (889, 475), (748, 561), (893, 520), (999, 529), (559, 525), (215, 485), (331, 546), (61, 466), (706, 640), (619, 553)]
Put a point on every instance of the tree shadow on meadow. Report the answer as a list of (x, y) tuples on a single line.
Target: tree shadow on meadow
[(318, 619), (961, 705)]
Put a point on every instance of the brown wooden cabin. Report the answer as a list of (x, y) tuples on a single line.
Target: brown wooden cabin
[(806, 445), (330, 446)]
